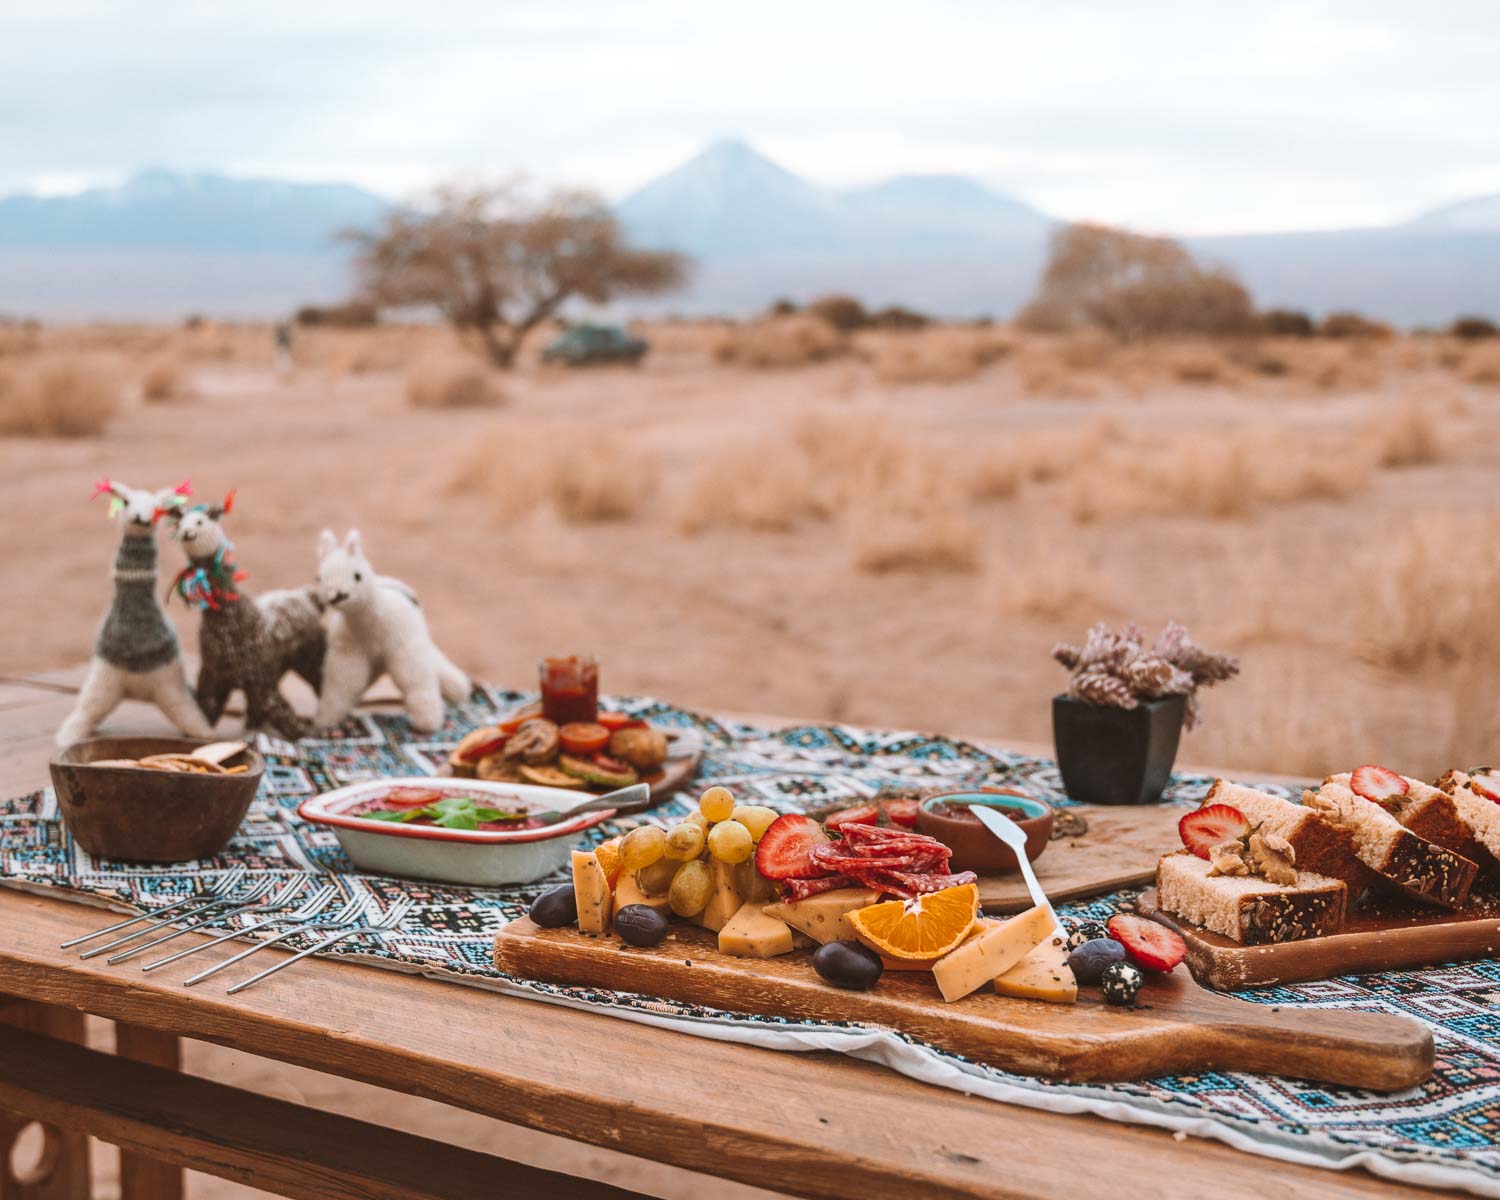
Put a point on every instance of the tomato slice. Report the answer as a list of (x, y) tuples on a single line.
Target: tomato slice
[(484, 749), (410, 797), (902, 812), (618, 720), (583, 737), (859, 814), (519, 717)]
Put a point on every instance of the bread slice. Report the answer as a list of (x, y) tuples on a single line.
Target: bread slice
[(1432, 814), (1480, 815), (1416, 866), (1246, 908), (1317, 846)]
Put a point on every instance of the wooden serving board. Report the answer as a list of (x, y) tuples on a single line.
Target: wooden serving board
[(1176, 1026), (1395, 935), (1119, 849)]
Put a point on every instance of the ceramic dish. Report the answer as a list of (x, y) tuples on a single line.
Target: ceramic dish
[(489, 858), (974, 847)]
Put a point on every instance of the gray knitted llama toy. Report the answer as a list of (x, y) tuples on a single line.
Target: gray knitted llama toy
[(245, 641), (136, 654)]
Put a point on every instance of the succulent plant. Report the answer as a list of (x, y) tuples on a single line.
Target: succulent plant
[(1122, 669)]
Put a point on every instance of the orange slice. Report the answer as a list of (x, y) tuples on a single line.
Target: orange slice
[(608, 854), (926, 927)]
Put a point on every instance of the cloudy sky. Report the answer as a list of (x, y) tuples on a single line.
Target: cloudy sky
[(1187, 117)]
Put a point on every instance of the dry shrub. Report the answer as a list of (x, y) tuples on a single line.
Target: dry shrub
[(57, 398), (766, 487), (451, 383), (1064, 366), (1431, 593), (995, 473), (1407, 436), (885, 537), (1483, 366), (585, 475), (163, 382), (1330, 367), (1042, 582), (937, 355), (789, 341), (1197, 364)]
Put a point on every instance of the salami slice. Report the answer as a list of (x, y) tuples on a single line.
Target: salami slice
[(801, 889)]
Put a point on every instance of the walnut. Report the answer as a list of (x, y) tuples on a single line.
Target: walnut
[(1227, 859), (1273, 861)]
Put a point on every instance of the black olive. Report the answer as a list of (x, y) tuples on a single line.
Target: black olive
[(555, 907), (640, 925), (1089, 961), (848, 965)]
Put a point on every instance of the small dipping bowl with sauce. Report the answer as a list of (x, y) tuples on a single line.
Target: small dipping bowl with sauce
[(975, 848)]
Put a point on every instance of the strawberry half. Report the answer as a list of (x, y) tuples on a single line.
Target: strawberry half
[(785, 850), (1150, 946), (1487, 783), (1379, 784), (859, 814), (1212, 825)]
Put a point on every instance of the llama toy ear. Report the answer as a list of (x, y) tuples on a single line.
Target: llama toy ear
[(352, 543), (327, 544)]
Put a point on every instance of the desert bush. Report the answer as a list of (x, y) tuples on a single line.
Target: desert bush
[(886, 535), (585, 475), (163, 382), (1130, 285), (352, 314), (1406, 436), (1196, 364), (1352, 325), (995, 472), (1285, 322), (65, 398), (791, 341), (451, 383), (1482, 366), (844, 313), (764, 486), (938, 355), (782, 307), (896, 317), (1044, 581), (1431, 592), (1471, 328)]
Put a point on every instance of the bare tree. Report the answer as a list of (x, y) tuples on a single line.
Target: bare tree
[(496, 261), (1132, 285)]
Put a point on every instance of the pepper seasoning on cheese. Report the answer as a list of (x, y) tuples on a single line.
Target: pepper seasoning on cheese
[(1043, 974), (753, 934), (591, 890), (992, 953), (825, 917)]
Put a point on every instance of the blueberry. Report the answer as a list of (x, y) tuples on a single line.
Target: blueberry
[(555, 907), (848, 965), (1120, 982), (1088, 961), (1086, 931), (640, 925)]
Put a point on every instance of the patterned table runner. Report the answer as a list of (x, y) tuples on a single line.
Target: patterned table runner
[(1441, 1134)]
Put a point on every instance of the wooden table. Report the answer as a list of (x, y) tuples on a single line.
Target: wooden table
[(801, 1124)]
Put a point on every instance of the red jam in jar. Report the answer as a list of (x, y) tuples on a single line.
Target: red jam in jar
[(570, 688)]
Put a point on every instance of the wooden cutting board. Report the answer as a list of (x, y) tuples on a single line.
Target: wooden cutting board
[(1398, 933), (1119, 849), (1176, 1026)]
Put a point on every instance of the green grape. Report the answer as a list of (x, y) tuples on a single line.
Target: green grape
[(691, 888), (697, 818), (657, 878), (754, 817), (685, 841), (642, 847), (716, 804), (730, 842)]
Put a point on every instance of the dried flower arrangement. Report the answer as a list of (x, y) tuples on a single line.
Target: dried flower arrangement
[(1121, 670)]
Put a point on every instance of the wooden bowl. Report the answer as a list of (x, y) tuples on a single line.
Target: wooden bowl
[(974, 847), (145, 815)]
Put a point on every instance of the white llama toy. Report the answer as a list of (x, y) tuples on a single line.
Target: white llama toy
[(376, 627), (136, 655)]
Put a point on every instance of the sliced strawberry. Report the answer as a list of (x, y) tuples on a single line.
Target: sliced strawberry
[(785, 850), (1379, 784), (858, 814), (1212, 825), (1487, 784), (1150, 946), (902, 813)]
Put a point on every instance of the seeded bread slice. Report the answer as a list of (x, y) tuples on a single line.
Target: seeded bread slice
[(1317, 845), (1482, 816), (1415, 865), (1246, 908), (1432, 814)]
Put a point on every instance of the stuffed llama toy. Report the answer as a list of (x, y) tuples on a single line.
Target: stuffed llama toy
[(136, 654), (246, 642), (377, 626)]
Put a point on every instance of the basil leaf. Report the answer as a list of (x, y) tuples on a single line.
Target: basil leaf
[(457, 820), (384, 815), (495, 814)]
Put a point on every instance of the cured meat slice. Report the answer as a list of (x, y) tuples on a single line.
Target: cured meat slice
[(801, 889)]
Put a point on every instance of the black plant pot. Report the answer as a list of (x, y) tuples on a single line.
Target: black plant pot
[(1116, 755)]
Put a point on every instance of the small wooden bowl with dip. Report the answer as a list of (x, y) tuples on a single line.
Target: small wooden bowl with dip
[(947, 818)]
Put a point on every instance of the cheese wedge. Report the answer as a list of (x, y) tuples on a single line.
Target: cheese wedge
[(753, 934), (992, 953), (1043, 974), (825, 917), (725, 899), (628, 891), (591, 889)]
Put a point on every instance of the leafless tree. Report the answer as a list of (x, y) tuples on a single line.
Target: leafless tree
[(496, 260)]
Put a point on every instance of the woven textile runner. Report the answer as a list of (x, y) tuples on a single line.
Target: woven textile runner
[(1441, 1134)]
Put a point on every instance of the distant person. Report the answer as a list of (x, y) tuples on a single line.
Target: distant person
[(283, 347)]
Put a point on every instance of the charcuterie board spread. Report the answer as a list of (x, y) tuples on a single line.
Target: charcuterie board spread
[(743, 909)]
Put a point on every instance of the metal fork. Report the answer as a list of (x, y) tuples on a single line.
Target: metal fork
[(389, 919), (226, 883), (309, 909), (255, 891), (341, 919), (278, 901)]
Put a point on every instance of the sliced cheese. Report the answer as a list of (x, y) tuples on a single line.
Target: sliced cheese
[(591, 890), (825, 917), (751, 933), (1043, 974), (628, 891), (724, 901), (992, 953)]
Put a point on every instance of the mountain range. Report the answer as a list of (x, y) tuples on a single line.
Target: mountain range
[(165, 243)]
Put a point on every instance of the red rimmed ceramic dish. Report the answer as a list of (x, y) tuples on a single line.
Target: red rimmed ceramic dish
[(494, 854)]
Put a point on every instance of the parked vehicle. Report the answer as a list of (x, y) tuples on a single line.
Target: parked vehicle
[(587, 345)]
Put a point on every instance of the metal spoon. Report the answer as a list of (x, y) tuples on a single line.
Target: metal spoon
[(1012, 835), (632, 799)]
